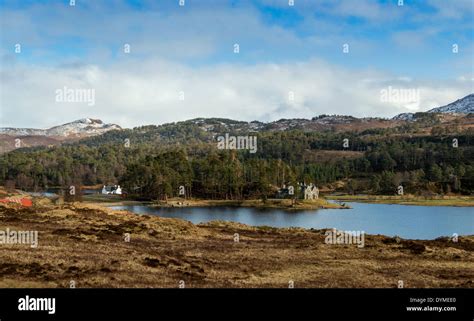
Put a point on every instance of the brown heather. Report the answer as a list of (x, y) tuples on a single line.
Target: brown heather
[(85, 243)]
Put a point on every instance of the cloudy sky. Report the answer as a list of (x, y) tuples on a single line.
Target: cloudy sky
[(153, 62)]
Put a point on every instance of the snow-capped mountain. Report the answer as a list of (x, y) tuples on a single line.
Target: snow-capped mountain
[(405, 116), (80, 128), (461, 106)]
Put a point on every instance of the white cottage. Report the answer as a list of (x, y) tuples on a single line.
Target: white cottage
[(116, 189)]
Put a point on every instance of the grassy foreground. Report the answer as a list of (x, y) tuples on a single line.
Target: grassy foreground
[(407, 199), (87, 244)]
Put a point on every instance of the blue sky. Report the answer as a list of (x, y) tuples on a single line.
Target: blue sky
[(190, 49)]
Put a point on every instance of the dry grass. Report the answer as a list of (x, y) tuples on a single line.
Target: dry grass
[(85, 243)]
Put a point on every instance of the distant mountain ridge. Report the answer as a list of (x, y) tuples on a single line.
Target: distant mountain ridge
[(206, 128), (80, 128), (319, 123), (464, 105)]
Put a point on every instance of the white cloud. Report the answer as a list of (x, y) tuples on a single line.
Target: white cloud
[(181, 50), (453, 9), (147, 92)]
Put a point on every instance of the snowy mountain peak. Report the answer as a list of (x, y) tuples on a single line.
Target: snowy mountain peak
[(80, 128), (405, 116), (88, 121), (461, 106)]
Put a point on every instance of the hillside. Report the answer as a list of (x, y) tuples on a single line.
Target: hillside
[(152, 162), (464, 105), (432, 155), (11, 138), (205, 129)]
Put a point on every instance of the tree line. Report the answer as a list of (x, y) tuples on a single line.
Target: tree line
[(157, 162)]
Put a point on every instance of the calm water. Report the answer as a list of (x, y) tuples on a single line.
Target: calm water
[(415, 222)]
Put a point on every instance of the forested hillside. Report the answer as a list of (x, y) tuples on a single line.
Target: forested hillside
[(154, 161)]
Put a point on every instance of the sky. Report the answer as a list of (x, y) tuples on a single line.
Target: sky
[(146, 62)]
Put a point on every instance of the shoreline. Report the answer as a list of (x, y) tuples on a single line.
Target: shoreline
[(284, 204), (456, 201)]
